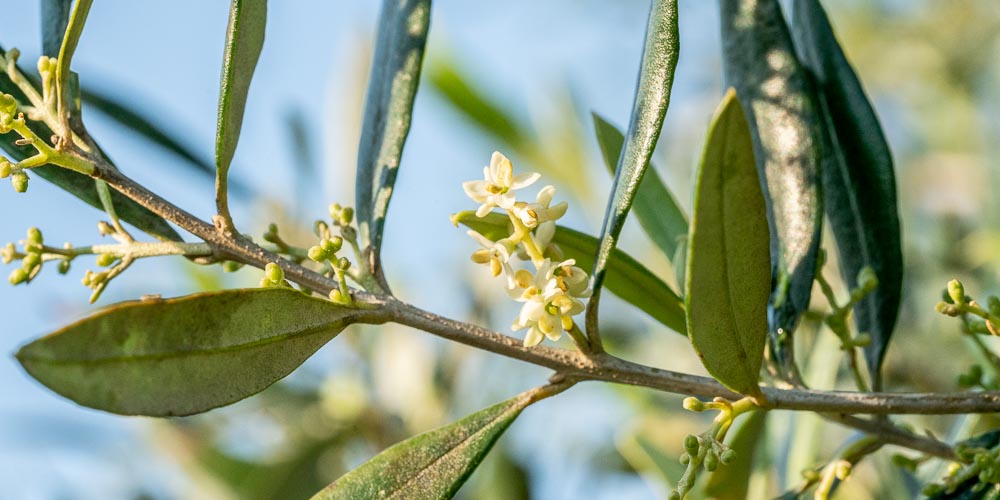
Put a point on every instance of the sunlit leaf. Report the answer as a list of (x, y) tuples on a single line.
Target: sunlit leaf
[(652, 96), (626, 278), (186, 355), (432, 465), (859, 184), (392, 88), (244, 41), (731, 482), (758, 57), (728, 274), (655, 206)]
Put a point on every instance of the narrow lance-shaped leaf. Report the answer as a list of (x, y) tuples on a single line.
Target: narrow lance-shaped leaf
[(732, 482), (434, 464), (55, 17), (186, 355), (244, 41), (652, 97), (392, 88), (859, 185), (627, 278), (655, 206), (760, 62), (728, 274)]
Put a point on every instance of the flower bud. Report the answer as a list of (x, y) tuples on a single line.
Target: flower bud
[(691, 444), (727, 457), (335, 210), (272, 233), (332, 245), (948, 309), (63, 266), (7, 253), (317, 254), (274, 273), (862, 340), (8, 111), (104, 228), (711, 461), (693, 404), (106, 259), (19, 180), (336, 296), (6, 167), (18, 276), (842, 469), (343, 264), (685, 459), (956, 291), (867, 279), (31, 260), (231, 266), (346, 216), (675, 495)]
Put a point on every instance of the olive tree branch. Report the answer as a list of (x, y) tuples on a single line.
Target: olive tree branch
[(573, 365)]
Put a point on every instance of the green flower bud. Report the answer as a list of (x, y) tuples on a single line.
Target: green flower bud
[(19, 180), (18, 276), (693, 404), (675, 495), (349, 232), (272, 233), (104, 228), (948, 309), (332, 245), (231, 266), (810, 475), (106, 259), (8, 112), (6, 167), (346, 216), (685, 459), (956, 291), (63, 266), (842, 470), (691, 444), (316, 253), (343, 264), (711, 461), (862, 340), (274, 273), (336, 296), (727, 457), (31, 260), (335, 210), (867, 279)]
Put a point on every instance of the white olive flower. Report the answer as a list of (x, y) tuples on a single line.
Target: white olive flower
[(533, 214), (548, 310), (496, 254), (571, 279), (496, 190)]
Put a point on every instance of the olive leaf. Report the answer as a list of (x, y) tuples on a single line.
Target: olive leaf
[(627, 278), (758, 57), (652, 97), (244, 41), (655, 206), (431, 465), (186, 355), (728, 265), (55, 17), (859, 184), (392, 88)]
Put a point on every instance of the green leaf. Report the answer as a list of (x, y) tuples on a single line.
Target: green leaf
[(392, 88), (655, 206), (731, 482), (728, 274), (55, 17), (244, 41), (432, 465), (627, 278), (859, 185), (77, 184), (758, 57), (652, 96), (186, 355)]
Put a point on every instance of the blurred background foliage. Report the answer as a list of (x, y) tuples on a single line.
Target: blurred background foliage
[(929, 66)]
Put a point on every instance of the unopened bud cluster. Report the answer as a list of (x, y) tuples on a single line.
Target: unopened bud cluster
[(326, 251), (552, 290), (31, 259), (978, 319)]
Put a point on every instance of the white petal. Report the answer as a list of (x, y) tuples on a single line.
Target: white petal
[(476, 190), (533, 337), (484, 209), (545, 195), (544, 233), (556, 212), (506, 200), (482, 240), (524, 180)]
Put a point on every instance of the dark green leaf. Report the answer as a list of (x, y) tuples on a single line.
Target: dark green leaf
[(652, 96), (77, 184), (859, 185), (186, 355), (627, 278), (432, 465), (655, 206), (55, 17), (244, 41), (730, 482), (728, 273), (392, 88), (760, 62)]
